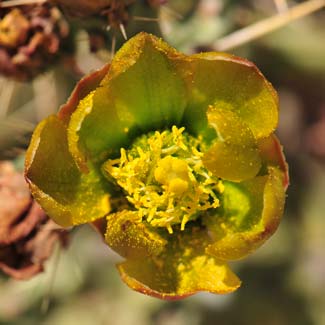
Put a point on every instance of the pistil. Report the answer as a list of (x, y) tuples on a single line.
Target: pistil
[(164, 178)]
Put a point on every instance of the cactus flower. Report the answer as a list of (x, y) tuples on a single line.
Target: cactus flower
[(172, 158)]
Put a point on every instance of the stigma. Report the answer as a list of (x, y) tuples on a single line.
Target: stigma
[(164, 179)]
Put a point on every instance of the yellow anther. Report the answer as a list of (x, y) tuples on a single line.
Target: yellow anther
[(165, 179), (197, 152), (178, 138), (220, 187), (170, 203), (184, 221), (141, 153), (123, 158)]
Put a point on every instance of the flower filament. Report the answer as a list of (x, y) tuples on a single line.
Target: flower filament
[(164, 178)]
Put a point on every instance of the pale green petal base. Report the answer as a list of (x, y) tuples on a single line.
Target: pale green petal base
[(252, 211)]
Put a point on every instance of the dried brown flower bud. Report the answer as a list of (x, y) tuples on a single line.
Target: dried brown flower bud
[(27, 235), (31, 38), (13, 29)]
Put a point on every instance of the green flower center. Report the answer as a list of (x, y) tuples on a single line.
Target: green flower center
[(164, 178)]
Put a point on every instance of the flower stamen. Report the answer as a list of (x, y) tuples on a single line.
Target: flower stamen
[(164, 178)]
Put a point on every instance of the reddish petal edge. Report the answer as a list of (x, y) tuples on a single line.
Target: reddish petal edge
[(100, 226), (82, 89), (272, 151)]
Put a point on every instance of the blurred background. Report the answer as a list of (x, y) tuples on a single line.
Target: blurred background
[(284, 281)]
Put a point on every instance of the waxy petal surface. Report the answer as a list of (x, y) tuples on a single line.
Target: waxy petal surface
[(67, 195), (131, 238), (234, 155), (141, 92), (250, 214), (180, 271), (231, 83)]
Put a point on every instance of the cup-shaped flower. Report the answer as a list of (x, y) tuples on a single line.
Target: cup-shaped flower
[(173, 158)]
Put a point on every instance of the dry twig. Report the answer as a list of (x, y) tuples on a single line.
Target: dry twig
[(268, 25)]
